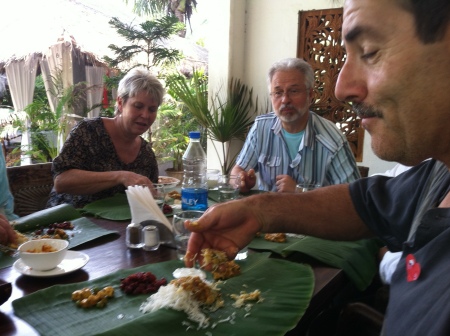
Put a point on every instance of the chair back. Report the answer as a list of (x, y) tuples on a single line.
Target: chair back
[(30, 185), (364, 171)]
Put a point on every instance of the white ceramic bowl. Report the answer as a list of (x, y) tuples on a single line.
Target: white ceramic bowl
[(43, 261)]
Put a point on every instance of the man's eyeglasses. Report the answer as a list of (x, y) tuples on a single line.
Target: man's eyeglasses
[(292, 93)]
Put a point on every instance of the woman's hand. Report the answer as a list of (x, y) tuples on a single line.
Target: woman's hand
[(132, 179)]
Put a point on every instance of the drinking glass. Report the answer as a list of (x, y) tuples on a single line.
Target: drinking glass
[(212, 178), (180, 233), (303, 187), (229, 186), (159, 194)]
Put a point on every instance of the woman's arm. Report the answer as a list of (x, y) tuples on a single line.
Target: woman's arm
[(82, 182)]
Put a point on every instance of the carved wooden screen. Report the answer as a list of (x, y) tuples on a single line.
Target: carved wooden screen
[(319, 43)]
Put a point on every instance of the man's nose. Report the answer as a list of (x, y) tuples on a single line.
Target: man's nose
[(351, 84), (285, 97)]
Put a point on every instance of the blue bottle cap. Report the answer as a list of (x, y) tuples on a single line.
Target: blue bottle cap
[(194, 135)]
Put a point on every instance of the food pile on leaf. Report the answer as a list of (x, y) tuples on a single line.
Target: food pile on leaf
[(189, 291)]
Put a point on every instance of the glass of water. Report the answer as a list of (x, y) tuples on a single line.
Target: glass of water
[(229, 186), (212, 177), (180, 233), (303, 187), (159, 194)]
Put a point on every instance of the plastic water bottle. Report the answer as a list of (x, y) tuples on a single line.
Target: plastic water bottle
[(194, 189)]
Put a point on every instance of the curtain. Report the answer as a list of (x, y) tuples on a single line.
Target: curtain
[(21, 74), (59, 58), (57, 78), (50, 87), (94, 96)]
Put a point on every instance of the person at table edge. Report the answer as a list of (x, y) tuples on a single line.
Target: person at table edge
[(293, 144), (7, 234), (103, 156), (396, 76)]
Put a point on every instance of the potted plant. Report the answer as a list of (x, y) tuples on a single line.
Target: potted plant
[(48, 129), (224, 120), (170, 135)]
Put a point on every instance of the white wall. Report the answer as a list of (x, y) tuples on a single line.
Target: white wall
[(247, 36)]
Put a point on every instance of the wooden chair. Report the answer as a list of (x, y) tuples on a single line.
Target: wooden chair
[(360, 319), (364, 171), (30, 185)]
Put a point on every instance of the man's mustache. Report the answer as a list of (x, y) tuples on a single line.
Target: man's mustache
[(284, 106), (366, 111)]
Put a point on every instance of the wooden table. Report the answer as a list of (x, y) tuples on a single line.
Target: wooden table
[(109, 254)]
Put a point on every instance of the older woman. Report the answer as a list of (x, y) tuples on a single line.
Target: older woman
[(103, 156)]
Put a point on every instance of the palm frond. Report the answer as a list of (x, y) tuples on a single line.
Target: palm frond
[(226, 120)]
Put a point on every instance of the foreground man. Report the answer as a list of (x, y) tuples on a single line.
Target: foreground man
[(397, 77)]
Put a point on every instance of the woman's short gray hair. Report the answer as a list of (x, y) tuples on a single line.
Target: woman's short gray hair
[(138, 80), (291, 64)]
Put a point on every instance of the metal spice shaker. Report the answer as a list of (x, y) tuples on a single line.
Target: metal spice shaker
[(134, 235)]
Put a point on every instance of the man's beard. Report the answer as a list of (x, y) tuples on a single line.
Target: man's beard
[(291, 117)]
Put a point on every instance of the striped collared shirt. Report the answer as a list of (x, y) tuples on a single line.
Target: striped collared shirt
[(324, 156)]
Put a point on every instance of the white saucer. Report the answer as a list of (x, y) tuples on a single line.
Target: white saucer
[(73, 261)]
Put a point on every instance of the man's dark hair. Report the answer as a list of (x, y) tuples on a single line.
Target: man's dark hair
[(432, 18)]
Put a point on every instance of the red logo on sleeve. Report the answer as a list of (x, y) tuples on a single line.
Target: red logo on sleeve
[(412, 268)]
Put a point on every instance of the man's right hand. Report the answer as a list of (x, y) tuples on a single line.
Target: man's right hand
[(226, 227), (248, 180)]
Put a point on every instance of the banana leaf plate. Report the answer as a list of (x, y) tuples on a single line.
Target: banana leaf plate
[(113, 208), (260, 244), (356, 258), (84, 229), (285, 286)]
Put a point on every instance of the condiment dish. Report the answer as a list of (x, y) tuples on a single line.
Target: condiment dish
[(43, 254)]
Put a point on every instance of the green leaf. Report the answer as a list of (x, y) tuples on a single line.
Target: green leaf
[(48, 216), (356, 258), (286, 297), (83, 232), (225, 120), (113, 208)]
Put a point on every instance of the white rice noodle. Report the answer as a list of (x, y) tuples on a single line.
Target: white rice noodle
[(176, 298), (230, 319)]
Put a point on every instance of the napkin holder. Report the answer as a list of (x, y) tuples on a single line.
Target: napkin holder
[(145, 211)]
